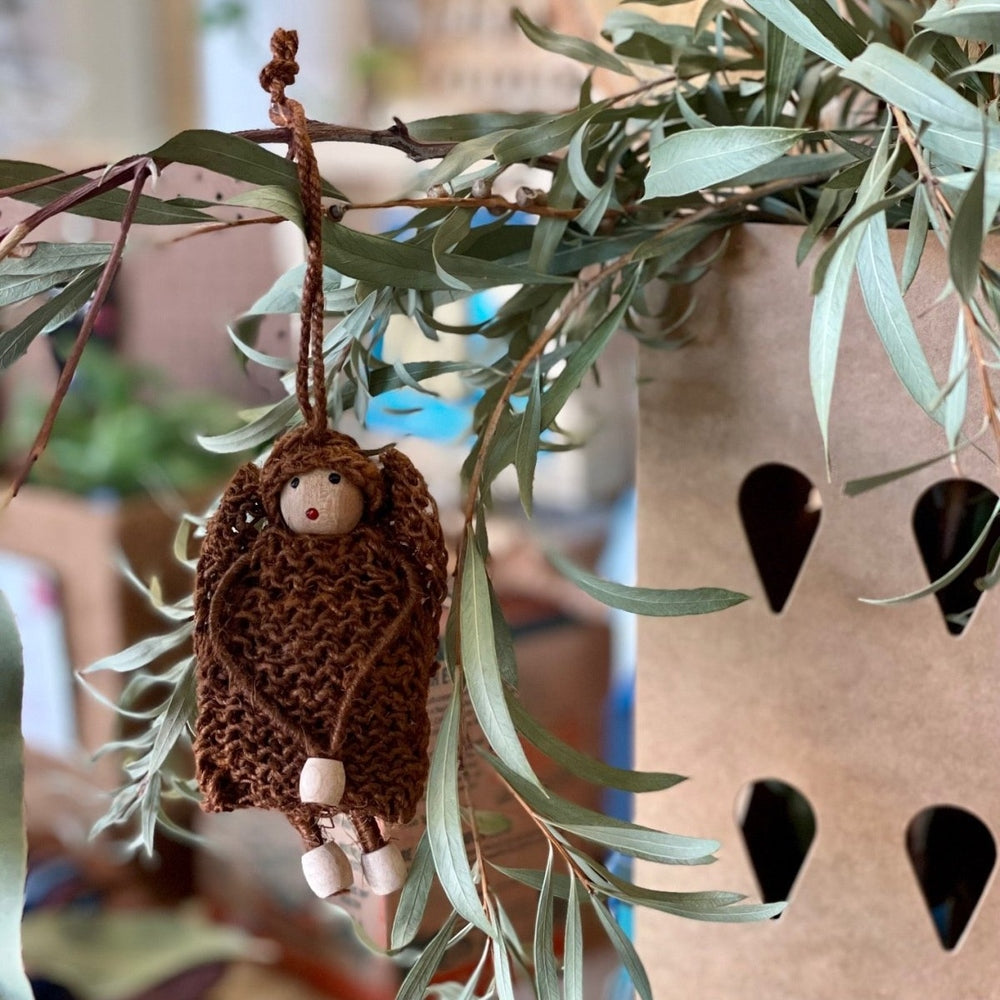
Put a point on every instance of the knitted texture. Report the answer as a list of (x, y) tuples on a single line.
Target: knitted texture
[(318, 645)]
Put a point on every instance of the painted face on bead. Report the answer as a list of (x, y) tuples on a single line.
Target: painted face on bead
[(321, 502)]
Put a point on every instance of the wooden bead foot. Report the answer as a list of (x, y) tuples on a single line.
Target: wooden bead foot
[(384, 870), (327, 870), (321, 781)]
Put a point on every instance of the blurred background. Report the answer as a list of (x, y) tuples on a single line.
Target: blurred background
[(85, 83)]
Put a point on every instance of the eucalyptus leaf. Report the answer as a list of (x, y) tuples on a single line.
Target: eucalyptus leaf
[(797, 24), (108, 206), (546, 969), (668, 848), (414, 986), (526, 449), (689, 161), (573, 976), (583, 766), (946, 578), (900, 81), (956, 401), (783, 58), (413, 898), (967, 232), (891, 319), (647, 600), (142, 653), (626, 950), (271, 198), (566, 45), (975, 19), (13, 842), (481, 668), (234, 157), (52, 314), (855, 487), (444, 820)]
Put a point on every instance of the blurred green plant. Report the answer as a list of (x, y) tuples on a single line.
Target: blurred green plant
[(121, 429)]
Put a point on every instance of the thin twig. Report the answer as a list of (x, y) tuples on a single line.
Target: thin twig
[(140, 172)]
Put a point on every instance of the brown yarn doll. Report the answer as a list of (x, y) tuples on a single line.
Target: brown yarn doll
[(317, 603)]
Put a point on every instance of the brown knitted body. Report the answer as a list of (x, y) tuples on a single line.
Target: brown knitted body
[(315, 645)]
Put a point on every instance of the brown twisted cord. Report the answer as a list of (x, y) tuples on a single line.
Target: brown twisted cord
[(287, 113)]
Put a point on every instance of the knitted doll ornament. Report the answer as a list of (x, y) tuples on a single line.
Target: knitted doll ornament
[(317, 602)]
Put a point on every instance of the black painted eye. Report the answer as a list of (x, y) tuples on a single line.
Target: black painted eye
[(294, 483), (334, 477)]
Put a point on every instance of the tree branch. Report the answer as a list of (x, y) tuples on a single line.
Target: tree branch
[(140, 172), (397, 136)]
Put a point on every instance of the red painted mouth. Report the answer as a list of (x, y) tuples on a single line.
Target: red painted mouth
[(312, 513)]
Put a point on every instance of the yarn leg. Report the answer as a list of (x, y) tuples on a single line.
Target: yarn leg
[(382, 863)]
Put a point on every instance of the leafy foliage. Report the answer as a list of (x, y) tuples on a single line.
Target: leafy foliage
[(786, 112)]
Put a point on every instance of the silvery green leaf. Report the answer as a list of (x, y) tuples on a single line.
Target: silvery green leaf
[(668, 848), (945, 579), (414, 986), (566, 45), (481, 668), (626, 950), (550, 229), (446, 236), (830, 303), (37, 267), (965, 243), (783, 58), (459, 128), (991, 64), (546, 969), (856, 487), (891, 319), (271, 198), (501, 969), (650, 601), (381, 262), (262, 429), (177, 714), (52, 314), (541, 139), (653, 845), (588, 768), (464, 155), (413, 898), (234, 157), (259, 357), (526, 449), (583, 358), (573, 947), (444, 820), (797, 24), (955, 147), (142, 653), (577, 168), (689, 161), (916, 237), (956, 401), (965, 19), (108, 206), (904, 83), (14, 983)]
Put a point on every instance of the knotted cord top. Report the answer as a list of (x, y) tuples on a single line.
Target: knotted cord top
[(287, 113)]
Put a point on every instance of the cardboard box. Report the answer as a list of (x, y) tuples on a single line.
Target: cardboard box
[(873, 713)]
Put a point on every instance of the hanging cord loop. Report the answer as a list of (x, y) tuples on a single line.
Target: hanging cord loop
[(287, 113)]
